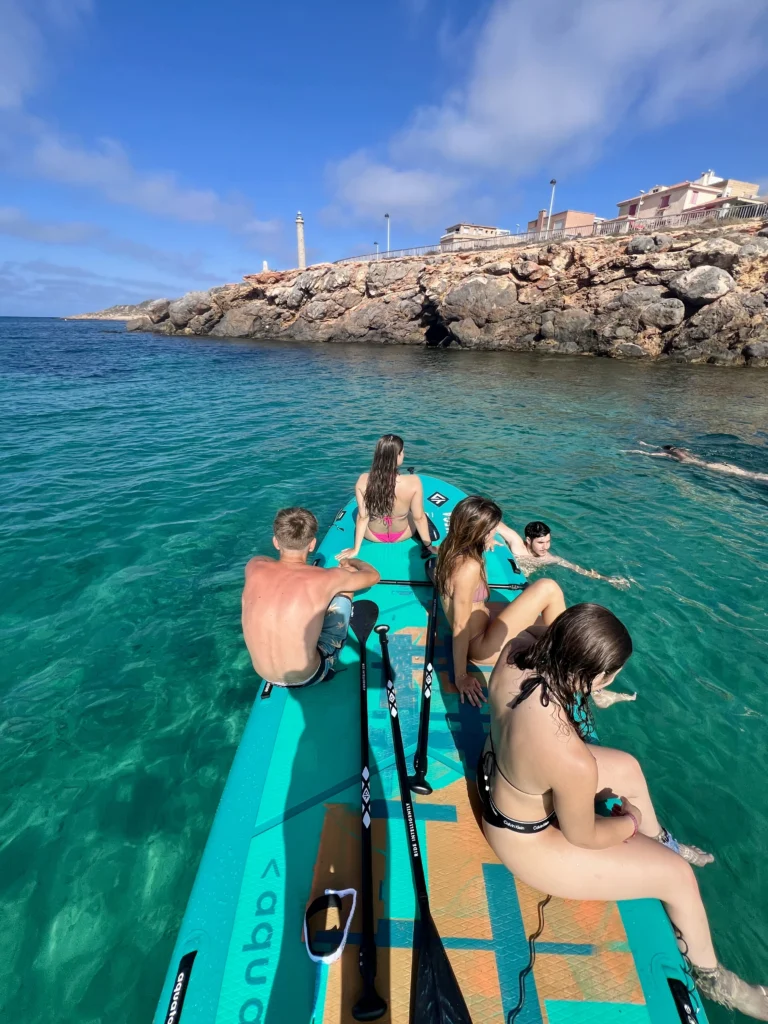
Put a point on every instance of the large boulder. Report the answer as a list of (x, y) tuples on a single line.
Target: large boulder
[(753, 249), (205, 322), (756, 353), (717, 327), (139, 323), (714, 252), (641, 295), (641, 244), (662, 314), (702, 285), (157, 311), (577, 327), (388, 275), (192, 304), (480, 298), (663, 242)]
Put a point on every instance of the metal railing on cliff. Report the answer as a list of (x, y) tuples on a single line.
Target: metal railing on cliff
[(600, 228)]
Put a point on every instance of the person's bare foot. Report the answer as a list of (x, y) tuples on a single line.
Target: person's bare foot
[(693, 854), (605, 699), (724, 987), (699, 858)]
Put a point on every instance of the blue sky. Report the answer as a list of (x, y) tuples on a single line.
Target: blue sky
[(150, 148)]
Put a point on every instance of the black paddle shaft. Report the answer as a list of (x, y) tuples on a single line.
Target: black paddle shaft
[(370, 1006), (419, 878), (418, 781), (436, 997)]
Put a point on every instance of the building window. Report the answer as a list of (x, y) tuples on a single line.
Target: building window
[(664, 202), (694, 197), (632, 209)]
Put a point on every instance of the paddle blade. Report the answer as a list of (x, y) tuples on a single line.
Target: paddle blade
[(437, 998), (364, 615)]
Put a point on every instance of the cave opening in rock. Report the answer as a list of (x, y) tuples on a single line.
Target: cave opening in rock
[(436, 334)]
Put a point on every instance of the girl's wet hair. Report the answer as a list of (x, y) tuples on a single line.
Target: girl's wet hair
[(582, 642), (471, 522), (379, 495)]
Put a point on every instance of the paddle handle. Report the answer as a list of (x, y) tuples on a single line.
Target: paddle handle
[(417, 866)]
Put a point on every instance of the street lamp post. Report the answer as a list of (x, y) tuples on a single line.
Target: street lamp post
[(639, 204), (386, 218), (552, 182), (377, 251)]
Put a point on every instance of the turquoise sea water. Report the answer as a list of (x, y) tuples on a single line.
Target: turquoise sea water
[(138, 474)]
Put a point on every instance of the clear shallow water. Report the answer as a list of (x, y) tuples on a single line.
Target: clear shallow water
[(138, 474)]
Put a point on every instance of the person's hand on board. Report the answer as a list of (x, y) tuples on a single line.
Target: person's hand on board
[(346, 554), (471, 688)]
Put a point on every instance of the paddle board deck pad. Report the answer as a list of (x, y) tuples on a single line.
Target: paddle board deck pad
[(288, 827)]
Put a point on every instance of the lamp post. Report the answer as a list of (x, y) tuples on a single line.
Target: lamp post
[(386, 218), (639, 204), (376, 244), (553, 182), (517, 229)]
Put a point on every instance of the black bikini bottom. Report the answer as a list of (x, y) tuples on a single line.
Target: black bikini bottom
[(492, 814)]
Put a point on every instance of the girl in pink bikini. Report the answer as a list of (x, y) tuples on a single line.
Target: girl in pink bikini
[(480, 629), (390, 507)]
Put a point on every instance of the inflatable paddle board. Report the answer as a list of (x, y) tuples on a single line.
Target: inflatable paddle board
[(288, 828)]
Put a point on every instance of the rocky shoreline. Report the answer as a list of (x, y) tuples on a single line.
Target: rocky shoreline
[(692, 296)]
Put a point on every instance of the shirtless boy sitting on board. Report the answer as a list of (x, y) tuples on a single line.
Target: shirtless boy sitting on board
[(296, 616)]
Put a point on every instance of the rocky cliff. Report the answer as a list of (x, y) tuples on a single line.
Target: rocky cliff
[(117, 312), (691, 296)]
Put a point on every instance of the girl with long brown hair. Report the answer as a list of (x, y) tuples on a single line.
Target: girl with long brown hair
[(479, 630), (538, 781), (390, 507)]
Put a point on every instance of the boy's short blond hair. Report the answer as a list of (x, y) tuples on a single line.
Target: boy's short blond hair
[(295, 528)]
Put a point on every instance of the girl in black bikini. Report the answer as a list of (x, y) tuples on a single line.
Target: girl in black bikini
[(538, 780)]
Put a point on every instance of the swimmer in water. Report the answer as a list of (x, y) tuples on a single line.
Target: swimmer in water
[(534, 552), (670, 451)]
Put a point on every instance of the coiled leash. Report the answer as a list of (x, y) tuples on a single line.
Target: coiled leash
[(325, 947)]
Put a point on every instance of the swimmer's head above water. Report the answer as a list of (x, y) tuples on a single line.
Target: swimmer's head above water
[(538, 538), (681, 454)]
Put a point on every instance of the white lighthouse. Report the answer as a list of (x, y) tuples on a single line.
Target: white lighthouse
[(300, 240)]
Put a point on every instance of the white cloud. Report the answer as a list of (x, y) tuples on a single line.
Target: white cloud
[(41, 288), (30, 147), (15, 223), (549, 82), (369, 189), (25, 26), (108, 170)]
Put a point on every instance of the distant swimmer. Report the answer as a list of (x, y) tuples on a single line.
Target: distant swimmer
[(534, 552), (670, 451)]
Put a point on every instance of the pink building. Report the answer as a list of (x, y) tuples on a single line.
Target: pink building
[(565, 220), (707, 192)]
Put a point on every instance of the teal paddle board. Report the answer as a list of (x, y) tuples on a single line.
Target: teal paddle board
[(288, 827)]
